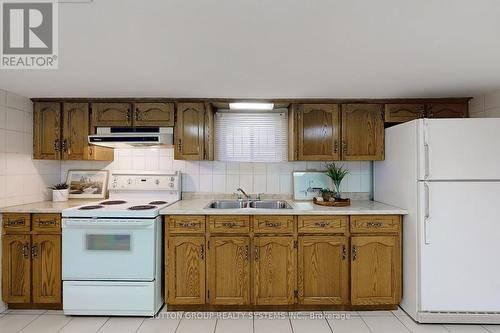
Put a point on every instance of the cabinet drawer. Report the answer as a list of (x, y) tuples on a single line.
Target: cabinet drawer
[(273, 224), (46, 222), (228, 223), (322, 224), (186, 224), (375, 223), (16, 222)]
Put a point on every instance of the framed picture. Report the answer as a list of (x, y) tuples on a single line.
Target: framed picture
[(87, 184)]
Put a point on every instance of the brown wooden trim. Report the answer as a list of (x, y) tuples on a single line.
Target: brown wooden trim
[(266, 308)]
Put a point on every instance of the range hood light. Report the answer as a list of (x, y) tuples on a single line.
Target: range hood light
[(251, 106)]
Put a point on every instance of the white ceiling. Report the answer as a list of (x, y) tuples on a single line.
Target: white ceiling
[(271, 48)]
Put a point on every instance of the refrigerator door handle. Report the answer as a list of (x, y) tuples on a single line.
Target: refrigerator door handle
[(427, 160), (427, 219)]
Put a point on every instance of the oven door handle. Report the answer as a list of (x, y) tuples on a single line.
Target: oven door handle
[(107, 225)]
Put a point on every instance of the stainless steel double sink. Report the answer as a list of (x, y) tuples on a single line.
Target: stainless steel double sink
[(238, 204)]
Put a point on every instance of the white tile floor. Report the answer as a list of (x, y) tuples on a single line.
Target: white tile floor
[(225, 322)]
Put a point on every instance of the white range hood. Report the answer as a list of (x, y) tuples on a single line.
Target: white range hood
[(129, 137)]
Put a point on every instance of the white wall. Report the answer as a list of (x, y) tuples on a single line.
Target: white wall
[(22, 180), (486, 106), (224, 177)]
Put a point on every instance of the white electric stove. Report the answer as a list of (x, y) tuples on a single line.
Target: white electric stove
[(111, 249)]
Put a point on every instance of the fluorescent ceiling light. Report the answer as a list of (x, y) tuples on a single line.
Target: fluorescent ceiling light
[(251, 106)]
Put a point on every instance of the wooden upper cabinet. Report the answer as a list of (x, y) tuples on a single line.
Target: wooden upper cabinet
[(46, 258), (154, 114), (111, 114), (375, 270), (75, 131), (229, 270), (318, 130), (447, 110), (400, 113), (323, 270), (47, 131), (16, 266), (186, 270), (274, 270), (362, 132), (190, 131)]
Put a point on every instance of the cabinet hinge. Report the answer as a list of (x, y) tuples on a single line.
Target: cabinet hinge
[(296, 293), (208, 245), (296, 244), (208, 294)]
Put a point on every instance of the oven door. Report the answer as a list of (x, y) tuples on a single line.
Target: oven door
[(109, 249)]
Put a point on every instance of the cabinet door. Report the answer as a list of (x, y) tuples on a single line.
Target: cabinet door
[(186, 270), (47, 131), (189, 141), (75, 131), (375, 270), (362, 132), (229, 270), (447, 110), (318, 131), (323, 270), (111, 114), (400, 113), (274, 270), (154, 114), (46, 258), (16, 266)]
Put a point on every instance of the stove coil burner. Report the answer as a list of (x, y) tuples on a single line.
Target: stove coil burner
[(142, 207), (113, 202), (91, 207), (159, 202)]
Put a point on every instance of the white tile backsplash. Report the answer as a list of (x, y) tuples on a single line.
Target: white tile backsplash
[(486, 106)]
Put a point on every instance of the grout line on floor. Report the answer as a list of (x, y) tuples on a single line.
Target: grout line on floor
[(290, 323), (178, 324), (327, 321), (402, 322), (486, 328), (142, 322), (216, 322), (30, 322), (69, 321), (100, 328), (363, 319)]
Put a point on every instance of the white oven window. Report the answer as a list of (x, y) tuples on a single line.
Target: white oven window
[(100, 242)]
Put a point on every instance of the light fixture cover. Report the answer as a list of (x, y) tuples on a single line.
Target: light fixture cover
[(250, 106)]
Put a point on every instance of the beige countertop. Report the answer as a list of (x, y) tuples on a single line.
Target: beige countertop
[(45, 206), (361, 207)]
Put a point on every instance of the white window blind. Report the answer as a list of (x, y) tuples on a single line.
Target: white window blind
[(251, 136)]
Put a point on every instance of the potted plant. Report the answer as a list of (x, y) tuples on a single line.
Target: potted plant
[(337, 174), (327, 194), (60, 192)]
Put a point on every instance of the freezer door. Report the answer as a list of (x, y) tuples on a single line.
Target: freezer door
[(459, 246), (459, 149)]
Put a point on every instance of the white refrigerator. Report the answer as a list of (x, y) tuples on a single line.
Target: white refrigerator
[(446, 173)]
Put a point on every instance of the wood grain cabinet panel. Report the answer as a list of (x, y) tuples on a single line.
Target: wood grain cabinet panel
[(273, 224), (375, 224), (229, 270), (186, 270), (111, 114), (322, 224), (318, 132), (46, 258), (229, 223), (16, 269), (16, 222), (400, 113), (47, 131), (182, 224), (190, 131), (447, 110), (75, 131), (154, 114), (46, 223), (375, 270), (274, 270), (323, 267), (362, 132)]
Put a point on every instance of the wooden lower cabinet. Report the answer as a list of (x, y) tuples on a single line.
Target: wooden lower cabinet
[(323, 270), (16, 269), (186, 270), (31, 267), (229, 270), (375, 270)]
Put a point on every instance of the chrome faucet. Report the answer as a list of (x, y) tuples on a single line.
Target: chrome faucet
[(243, 192)]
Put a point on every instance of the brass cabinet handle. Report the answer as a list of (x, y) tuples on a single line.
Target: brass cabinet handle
[(354, 252), (202, 252), (344, 253), (256, 253), (179, 145), (344, 146), (64, 145), (129, 116), (51, 222), (229, 224), (137, 116), (187, 224), (16, 222), (25, 251), (273, 225), (246, 252), (374, 224), (34, 251), (335, 147), (322, 224), (57, 145)]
